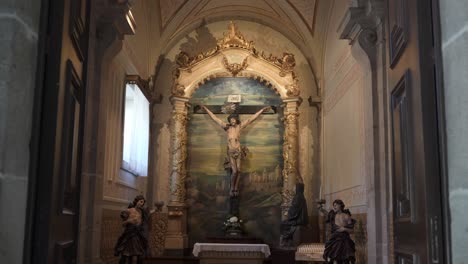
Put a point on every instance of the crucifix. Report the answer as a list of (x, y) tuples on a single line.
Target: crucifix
[(233, 128)]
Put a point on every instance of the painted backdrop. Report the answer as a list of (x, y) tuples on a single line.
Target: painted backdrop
[(261, 180)]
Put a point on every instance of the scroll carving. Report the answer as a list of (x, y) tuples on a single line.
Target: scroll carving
[(234, 39), (286, 63), (293, 89)]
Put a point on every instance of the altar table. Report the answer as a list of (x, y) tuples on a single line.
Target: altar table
[(218, 253)]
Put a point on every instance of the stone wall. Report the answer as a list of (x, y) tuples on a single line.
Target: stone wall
[(454, 27), (19, 27)]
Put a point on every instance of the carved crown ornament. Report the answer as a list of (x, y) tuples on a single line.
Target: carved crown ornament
[(235, 56)]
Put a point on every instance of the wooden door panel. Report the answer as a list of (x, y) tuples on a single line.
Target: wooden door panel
[(406, 258), (415, 199), (58, 190), (71, 139), (403, 180)]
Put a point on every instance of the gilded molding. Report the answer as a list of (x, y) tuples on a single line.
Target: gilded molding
[(235, 68), (234, 39), (287, 196), (179, 154), (290, 150), (178, 90), (293, 89), (157, 233)]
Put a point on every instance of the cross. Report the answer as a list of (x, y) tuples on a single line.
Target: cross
[(242, 109)]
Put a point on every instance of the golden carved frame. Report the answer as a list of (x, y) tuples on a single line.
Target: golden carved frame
[(234, 56)]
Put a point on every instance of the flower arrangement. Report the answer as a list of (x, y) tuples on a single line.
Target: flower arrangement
[(233, 226)]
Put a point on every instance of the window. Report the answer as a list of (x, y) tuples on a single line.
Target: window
[(136, 130)]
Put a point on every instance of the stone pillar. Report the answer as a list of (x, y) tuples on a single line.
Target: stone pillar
[(454, 49), (108, 25), (363, 26), (290, 153), (176, 238), (19, 42)]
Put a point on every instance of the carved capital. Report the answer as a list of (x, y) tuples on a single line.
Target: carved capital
[(178, 90), (293, 89), (116, 13), (359, 25)]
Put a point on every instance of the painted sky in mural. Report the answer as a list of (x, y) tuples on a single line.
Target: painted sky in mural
[(208, 186)]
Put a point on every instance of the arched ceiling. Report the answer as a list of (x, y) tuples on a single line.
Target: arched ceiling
[(304, 22)]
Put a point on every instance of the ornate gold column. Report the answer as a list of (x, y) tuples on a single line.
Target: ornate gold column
[(176, 238), (290, 152)]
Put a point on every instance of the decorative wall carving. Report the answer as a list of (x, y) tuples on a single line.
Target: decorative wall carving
[(290, 136), (157, 233), (179, 154), (110, 232), (286, 63), (234, 39), (293, 89), (290, 152), (178, 90), (360, 237)]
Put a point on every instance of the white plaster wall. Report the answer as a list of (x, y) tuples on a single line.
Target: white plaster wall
[(144, 45), (119, 187), (343, 120), (265, 39)]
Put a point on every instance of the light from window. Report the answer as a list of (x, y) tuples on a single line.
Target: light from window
[(136, 131)]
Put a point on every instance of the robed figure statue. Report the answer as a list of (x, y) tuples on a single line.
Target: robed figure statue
[(297, 216), (134, 240)]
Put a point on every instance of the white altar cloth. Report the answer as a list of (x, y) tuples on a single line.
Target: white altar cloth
[(200, 247)]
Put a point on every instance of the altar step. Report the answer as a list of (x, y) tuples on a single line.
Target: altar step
[(278, 256), (172, 260)]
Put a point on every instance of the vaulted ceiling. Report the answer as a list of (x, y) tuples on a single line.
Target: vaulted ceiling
[(304, 22)]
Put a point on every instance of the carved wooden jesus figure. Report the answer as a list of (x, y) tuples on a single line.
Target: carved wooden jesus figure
[(234, 150)]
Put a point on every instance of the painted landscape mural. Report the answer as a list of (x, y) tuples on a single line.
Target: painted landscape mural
[(261, 181)]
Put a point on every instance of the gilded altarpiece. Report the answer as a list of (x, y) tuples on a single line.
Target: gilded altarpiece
[(234, 59)]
